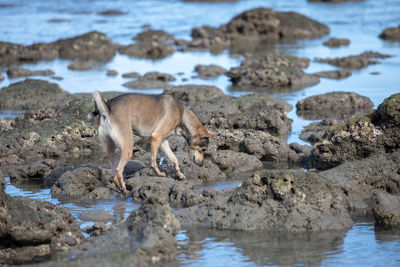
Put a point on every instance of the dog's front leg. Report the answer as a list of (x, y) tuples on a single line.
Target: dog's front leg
[(155, 144), (170, 155)]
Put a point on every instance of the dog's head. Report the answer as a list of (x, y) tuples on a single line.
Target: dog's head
[(199, 144)]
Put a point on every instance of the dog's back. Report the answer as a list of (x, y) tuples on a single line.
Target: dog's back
[(145, 113)]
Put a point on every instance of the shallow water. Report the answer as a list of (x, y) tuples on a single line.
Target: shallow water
[(119, 208), (28, 22), (362, 245)]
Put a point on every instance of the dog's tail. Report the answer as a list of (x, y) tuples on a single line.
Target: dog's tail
[(100, 106)]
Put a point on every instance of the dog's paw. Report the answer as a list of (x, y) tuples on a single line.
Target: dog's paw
[(180, 176), (162, 174)]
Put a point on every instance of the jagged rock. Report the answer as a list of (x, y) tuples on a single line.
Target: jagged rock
[(361, 180), (255, 25), (81, 65), (209, 71), (15, 72), (336, 42), (38, 169), (94, 46), (131, 75), (333, 105), (361, 136), (30, 94), (32, 230), (147, 237), (178, 193), (273, 201), (96, 216), (355, 62), (391, 34), (334, 74), (55, 131), (262, 145), (314, 132), (271, 72), (150, 44), (111, 73), (99, 228), (387, 210), (80, 181), (111, 12), (153, 36)]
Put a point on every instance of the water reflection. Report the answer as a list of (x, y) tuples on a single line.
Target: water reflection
[(119, 207), (361, 245), (258, 247), (7, 114)]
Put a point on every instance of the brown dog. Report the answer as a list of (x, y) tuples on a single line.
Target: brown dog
[(154, 116)]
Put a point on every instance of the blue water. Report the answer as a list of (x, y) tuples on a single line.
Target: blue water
[(362, 245), (119, 208), (29, 21)]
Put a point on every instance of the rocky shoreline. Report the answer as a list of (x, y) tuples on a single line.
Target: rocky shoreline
[(350, 170)]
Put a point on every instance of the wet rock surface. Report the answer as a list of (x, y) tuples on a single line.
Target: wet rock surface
[(153, 35), (333, 105), (291, 198), (209, 71), (32, 230), (80, 181), (361, 136), (111, 12), (334, 74), (143, 83), (131, 75), (150, 44), (315, 131), (226, 112), (92, 45), (355, 62), (387, 210), (96, 216), (147, 237), (256, 25), (111, 73), (149, 80), (361, 180), (194, 94), (336, 42), (81, 65), (37, 170), (99, 228), (15, 72), (31, 93), (269, 72), (236, 164), (89, 46), (61, 130), (260, 144), (262, 113), (391, 34), (178, 193)]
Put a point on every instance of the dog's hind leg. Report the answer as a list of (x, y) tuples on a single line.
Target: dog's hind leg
[(171, 156), (126, 148), (155, 140), (109, 148)]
